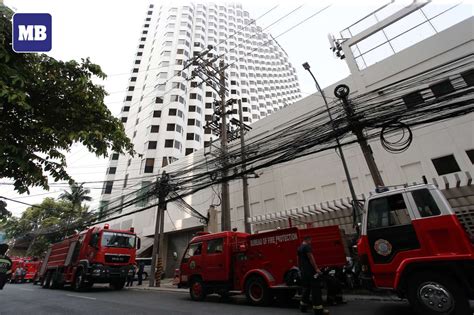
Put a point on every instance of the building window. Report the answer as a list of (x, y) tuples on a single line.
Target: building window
[(192, 108), (128, 98), (189, 151), (190, 136), (107, 189), (155, 129), (468, 77), (157, 113), (159, 100), (470, 154), (115, 156), (135, 70), (124, 119), (191, 122), (152, 145), (442, 88), (170, 127), (111, 170), (149, 163), (172, 112), (446, 165), (131, 88), (141, 46), (412, 99), (168, 143)]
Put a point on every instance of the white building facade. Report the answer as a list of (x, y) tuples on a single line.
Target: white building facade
[(165, 110), (311, 189)]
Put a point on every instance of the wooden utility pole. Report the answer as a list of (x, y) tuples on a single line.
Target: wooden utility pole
[(156, 267), (245, 186), (214, 76), (225, 206)]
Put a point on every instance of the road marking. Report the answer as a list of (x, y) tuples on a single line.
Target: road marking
[(81, 296)]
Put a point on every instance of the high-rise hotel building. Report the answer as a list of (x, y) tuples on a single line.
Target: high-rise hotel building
[(165, 110)]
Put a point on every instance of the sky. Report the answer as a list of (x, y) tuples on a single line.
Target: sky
[(108, 31)]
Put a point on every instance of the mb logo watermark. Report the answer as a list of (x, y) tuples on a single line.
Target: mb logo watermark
[(32, 32)]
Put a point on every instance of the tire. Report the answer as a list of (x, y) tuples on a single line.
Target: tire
[(257, 291), (117, 285), (444, 292), (78, 284), (46, 283), (197, 290), (54, 281)]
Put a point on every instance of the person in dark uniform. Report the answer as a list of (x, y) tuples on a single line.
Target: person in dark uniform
[(5, 265), (334, 287), (141, 266), (131, 276), (310, 279)]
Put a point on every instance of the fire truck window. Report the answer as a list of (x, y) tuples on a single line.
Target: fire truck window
[(116, 239), (193, 250), (387, 211), (215, 246), (94, 241), (425, 203)]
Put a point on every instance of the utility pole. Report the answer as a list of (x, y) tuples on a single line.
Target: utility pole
[(356, 211), (215, 78), (225, 207), (245, 186), (342, 92), (162, 185)]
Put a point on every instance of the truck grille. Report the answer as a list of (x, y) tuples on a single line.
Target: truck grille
[(465, 216), (117, 258)]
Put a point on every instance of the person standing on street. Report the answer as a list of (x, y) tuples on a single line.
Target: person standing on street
[(141, 267), (310, 279), (5, 265), (131, 276)]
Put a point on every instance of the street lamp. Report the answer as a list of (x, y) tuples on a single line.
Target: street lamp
[(355, 205)]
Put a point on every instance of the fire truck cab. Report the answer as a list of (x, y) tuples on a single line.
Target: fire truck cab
[(412, 242)]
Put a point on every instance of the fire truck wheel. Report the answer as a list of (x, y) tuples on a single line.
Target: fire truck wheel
[(433, 293), (257, 291), (47, 280), (78, 283), (197, 290)]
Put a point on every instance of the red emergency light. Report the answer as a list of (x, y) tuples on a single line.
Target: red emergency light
[(106, 226), (132, 229)]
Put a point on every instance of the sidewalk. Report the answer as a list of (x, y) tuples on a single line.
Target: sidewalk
[(360, 295)]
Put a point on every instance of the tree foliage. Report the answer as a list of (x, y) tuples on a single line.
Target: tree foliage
[(4, 213), (76, 195), (46, 106), (47, 223)]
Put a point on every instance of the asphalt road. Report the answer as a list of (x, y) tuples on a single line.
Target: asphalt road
[(30, 299)]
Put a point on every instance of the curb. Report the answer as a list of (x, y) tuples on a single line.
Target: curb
[(348, 297)]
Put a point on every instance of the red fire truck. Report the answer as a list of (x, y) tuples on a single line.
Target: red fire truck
[(260, 265), (32, 267), (96, 255), (411, 242)]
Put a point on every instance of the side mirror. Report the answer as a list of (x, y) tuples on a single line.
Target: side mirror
[(139, 243)]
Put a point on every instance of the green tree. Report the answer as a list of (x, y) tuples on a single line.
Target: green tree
[(4, 213), (46, 106), (76, 195), (46, 223)]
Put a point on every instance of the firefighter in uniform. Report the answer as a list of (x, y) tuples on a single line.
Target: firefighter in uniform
[(310, 279), (5, 265)]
